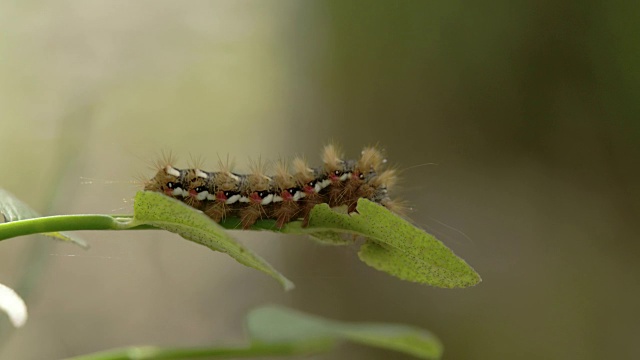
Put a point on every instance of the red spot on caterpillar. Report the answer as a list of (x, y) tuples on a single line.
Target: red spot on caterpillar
[(220, 196), (193, 193), (286, 195), (255, 197), (168, 192)]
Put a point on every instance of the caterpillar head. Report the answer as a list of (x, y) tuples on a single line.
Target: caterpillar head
[(168, 180)]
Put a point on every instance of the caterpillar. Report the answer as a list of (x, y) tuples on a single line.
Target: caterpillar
[(288, 194)]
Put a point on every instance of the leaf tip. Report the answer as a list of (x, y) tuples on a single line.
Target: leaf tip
[(13, 305), (288, 284)]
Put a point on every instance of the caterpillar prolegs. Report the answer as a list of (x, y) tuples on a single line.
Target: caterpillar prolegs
[(287, 195)]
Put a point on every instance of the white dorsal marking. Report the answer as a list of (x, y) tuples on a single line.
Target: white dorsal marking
[(171, 171), (178, 192), (201, 174), (267, 199), (233, 199), (322, 184), (202, 195)]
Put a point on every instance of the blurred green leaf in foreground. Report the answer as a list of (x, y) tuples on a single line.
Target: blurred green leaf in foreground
[(277, 331)]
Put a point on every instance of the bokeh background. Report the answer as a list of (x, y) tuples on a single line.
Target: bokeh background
[(529, 109)]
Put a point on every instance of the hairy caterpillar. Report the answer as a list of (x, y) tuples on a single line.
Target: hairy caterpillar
[(287, 195)]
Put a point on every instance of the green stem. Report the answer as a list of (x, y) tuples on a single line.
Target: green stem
[(59, 223), (255, 350), (63, 223)]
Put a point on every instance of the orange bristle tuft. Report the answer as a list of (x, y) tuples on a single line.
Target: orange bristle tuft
[(332, 158), (165, 159), (400, 207), (282, 178), (386, 179), (371, 160), (302, 172), (195, 162), (257, 179)]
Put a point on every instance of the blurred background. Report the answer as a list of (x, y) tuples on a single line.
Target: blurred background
[(529, 110)]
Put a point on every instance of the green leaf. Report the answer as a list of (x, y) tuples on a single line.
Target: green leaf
[(323, 236), (12, 209), (394, 245), (216, 352), (158, 210), (397, 247), (12, 304), (276, 325), (277, 331)]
